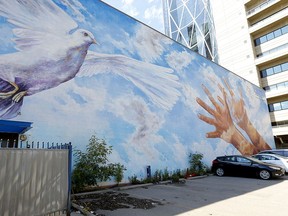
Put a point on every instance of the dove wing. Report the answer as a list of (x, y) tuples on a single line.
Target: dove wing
[(158, 83), (35, 21)]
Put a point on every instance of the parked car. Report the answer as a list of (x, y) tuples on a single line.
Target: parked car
[(273, 159), (245, 166), (283, 152)]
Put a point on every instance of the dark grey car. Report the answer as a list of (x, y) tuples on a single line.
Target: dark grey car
[(239, 165)]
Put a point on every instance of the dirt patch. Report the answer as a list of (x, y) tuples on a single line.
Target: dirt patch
[(113, 200)]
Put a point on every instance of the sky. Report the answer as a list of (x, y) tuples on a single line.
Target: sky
[(149, 12)]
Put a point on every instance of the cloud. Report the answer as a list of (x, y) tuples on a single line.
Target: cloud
[(179, 60), (180, 152), (153, 12), (127, 2), (76, 8), (129, 8), (148, 43), (58, 112), (146, 123)]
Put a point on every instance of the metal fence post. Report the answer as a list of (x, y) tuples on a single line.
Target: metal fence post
[(69, 178)]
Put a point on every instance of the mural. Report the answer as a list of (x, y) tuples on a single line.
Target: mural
[(77, 68)]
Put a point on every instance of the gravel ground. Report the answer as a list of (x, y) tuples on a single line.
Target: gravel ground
[(112, 200)]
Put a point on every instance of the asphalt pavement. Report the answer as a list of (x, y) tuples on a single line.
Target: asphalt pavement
[(212, 196)]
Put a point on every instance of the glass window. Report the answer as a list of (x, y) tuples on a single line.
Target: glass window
[(270, 36), (269, 71), (277, 106), (263, 73), (263, 39), (285, 29), (277, 69), (242, 160), (284, 66), (281, 85), (284, 105), (270, 107), (257, 42), (277, 33), (273, 87)]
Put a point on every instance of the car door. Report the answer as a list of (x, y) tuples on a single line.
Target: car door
[(236, 167), (245, 166), (230, 166), (271, 159)]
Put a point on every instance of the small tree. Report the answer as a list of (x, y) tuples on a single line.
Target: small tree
[(196, 164), (92, 166), (119, 172)]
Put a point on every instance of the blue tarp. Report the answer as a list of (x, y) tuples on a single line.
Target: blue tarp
[(18, 127)]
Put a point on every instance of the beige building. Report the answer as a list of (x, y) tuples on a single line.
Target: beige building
[(252, 38)]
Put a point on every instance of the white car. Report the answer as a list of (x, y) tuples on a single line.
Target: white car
[(274, 159)]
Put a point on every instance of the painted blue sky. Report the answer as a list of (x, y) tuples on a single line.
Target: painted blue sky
[(116, 109)]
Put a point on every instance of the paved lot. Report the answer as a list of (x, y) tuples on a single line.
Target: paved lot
[(213, 196)]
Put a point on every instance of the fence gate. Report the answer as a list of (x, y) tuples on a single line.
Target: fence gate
[(35, 179)]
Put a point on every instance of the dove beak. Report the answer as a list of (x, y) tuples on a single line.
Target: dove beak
[(95, 42)]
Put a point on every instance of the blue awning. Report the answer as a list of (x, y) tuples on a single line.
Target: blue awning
[(18, 127)]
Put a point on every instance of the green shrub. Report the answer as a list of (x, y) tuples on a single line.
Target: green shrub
[(196, 165), (165, 175), (133, 180), (92, 167)]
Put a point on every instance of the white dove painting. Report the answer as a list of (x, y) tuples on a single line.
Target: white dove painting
[(76, 68), (52, 49)]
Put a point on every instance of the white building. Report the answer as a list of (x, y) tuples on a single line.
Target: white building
[(252, 38)]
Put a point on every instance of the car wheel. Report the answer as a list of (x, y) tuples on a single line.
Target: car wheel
[(264, 174), (219, 171)]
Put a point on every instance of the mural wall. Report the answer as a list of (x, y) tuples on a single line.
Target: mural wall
[(79, 67)]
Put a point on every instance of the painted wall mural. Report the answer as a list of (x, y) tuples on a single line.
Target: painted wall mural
[(79, 67)]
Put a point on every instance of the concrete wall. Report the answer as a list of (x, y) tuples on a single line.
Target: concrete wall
[(152, 99)]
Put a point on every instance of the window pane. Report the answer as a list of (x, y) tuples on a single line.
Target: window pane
[(263, 39), (257, 41), (277, 106), (277, 69), (284, 66), (269, 71), (285, 29), (277, 33), (270, 107), (273, 87), (270, 36), (263, 73), (281, 85), (284, 104)]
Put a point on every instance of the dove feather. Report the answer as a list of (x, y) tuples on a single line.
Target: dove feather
[(157, 82), (34, 18)]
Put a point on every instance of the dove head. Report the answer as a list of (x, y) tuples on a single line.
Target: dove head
[(85, 37)]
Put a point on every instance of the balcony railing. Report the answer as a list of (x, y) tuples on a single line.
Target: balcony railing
[(283, 11), (272, 50), (259, 7)]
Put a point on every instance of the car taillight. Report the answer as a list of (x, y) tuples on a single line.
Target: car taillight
[(215, 161)]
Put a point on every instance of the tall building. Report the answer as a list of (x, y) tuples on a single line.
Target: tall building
[(190, 23), (252, 39)]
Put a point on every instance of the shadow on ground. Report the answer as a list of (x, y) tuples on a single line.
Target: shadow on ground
[(171, 199)]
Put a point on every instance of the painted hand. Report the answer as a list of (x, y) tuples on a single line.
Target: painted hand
[(222, 120)]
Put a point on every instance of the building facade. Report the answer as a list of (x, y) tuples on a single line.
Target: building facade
[(190, 23), (252, 42)]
